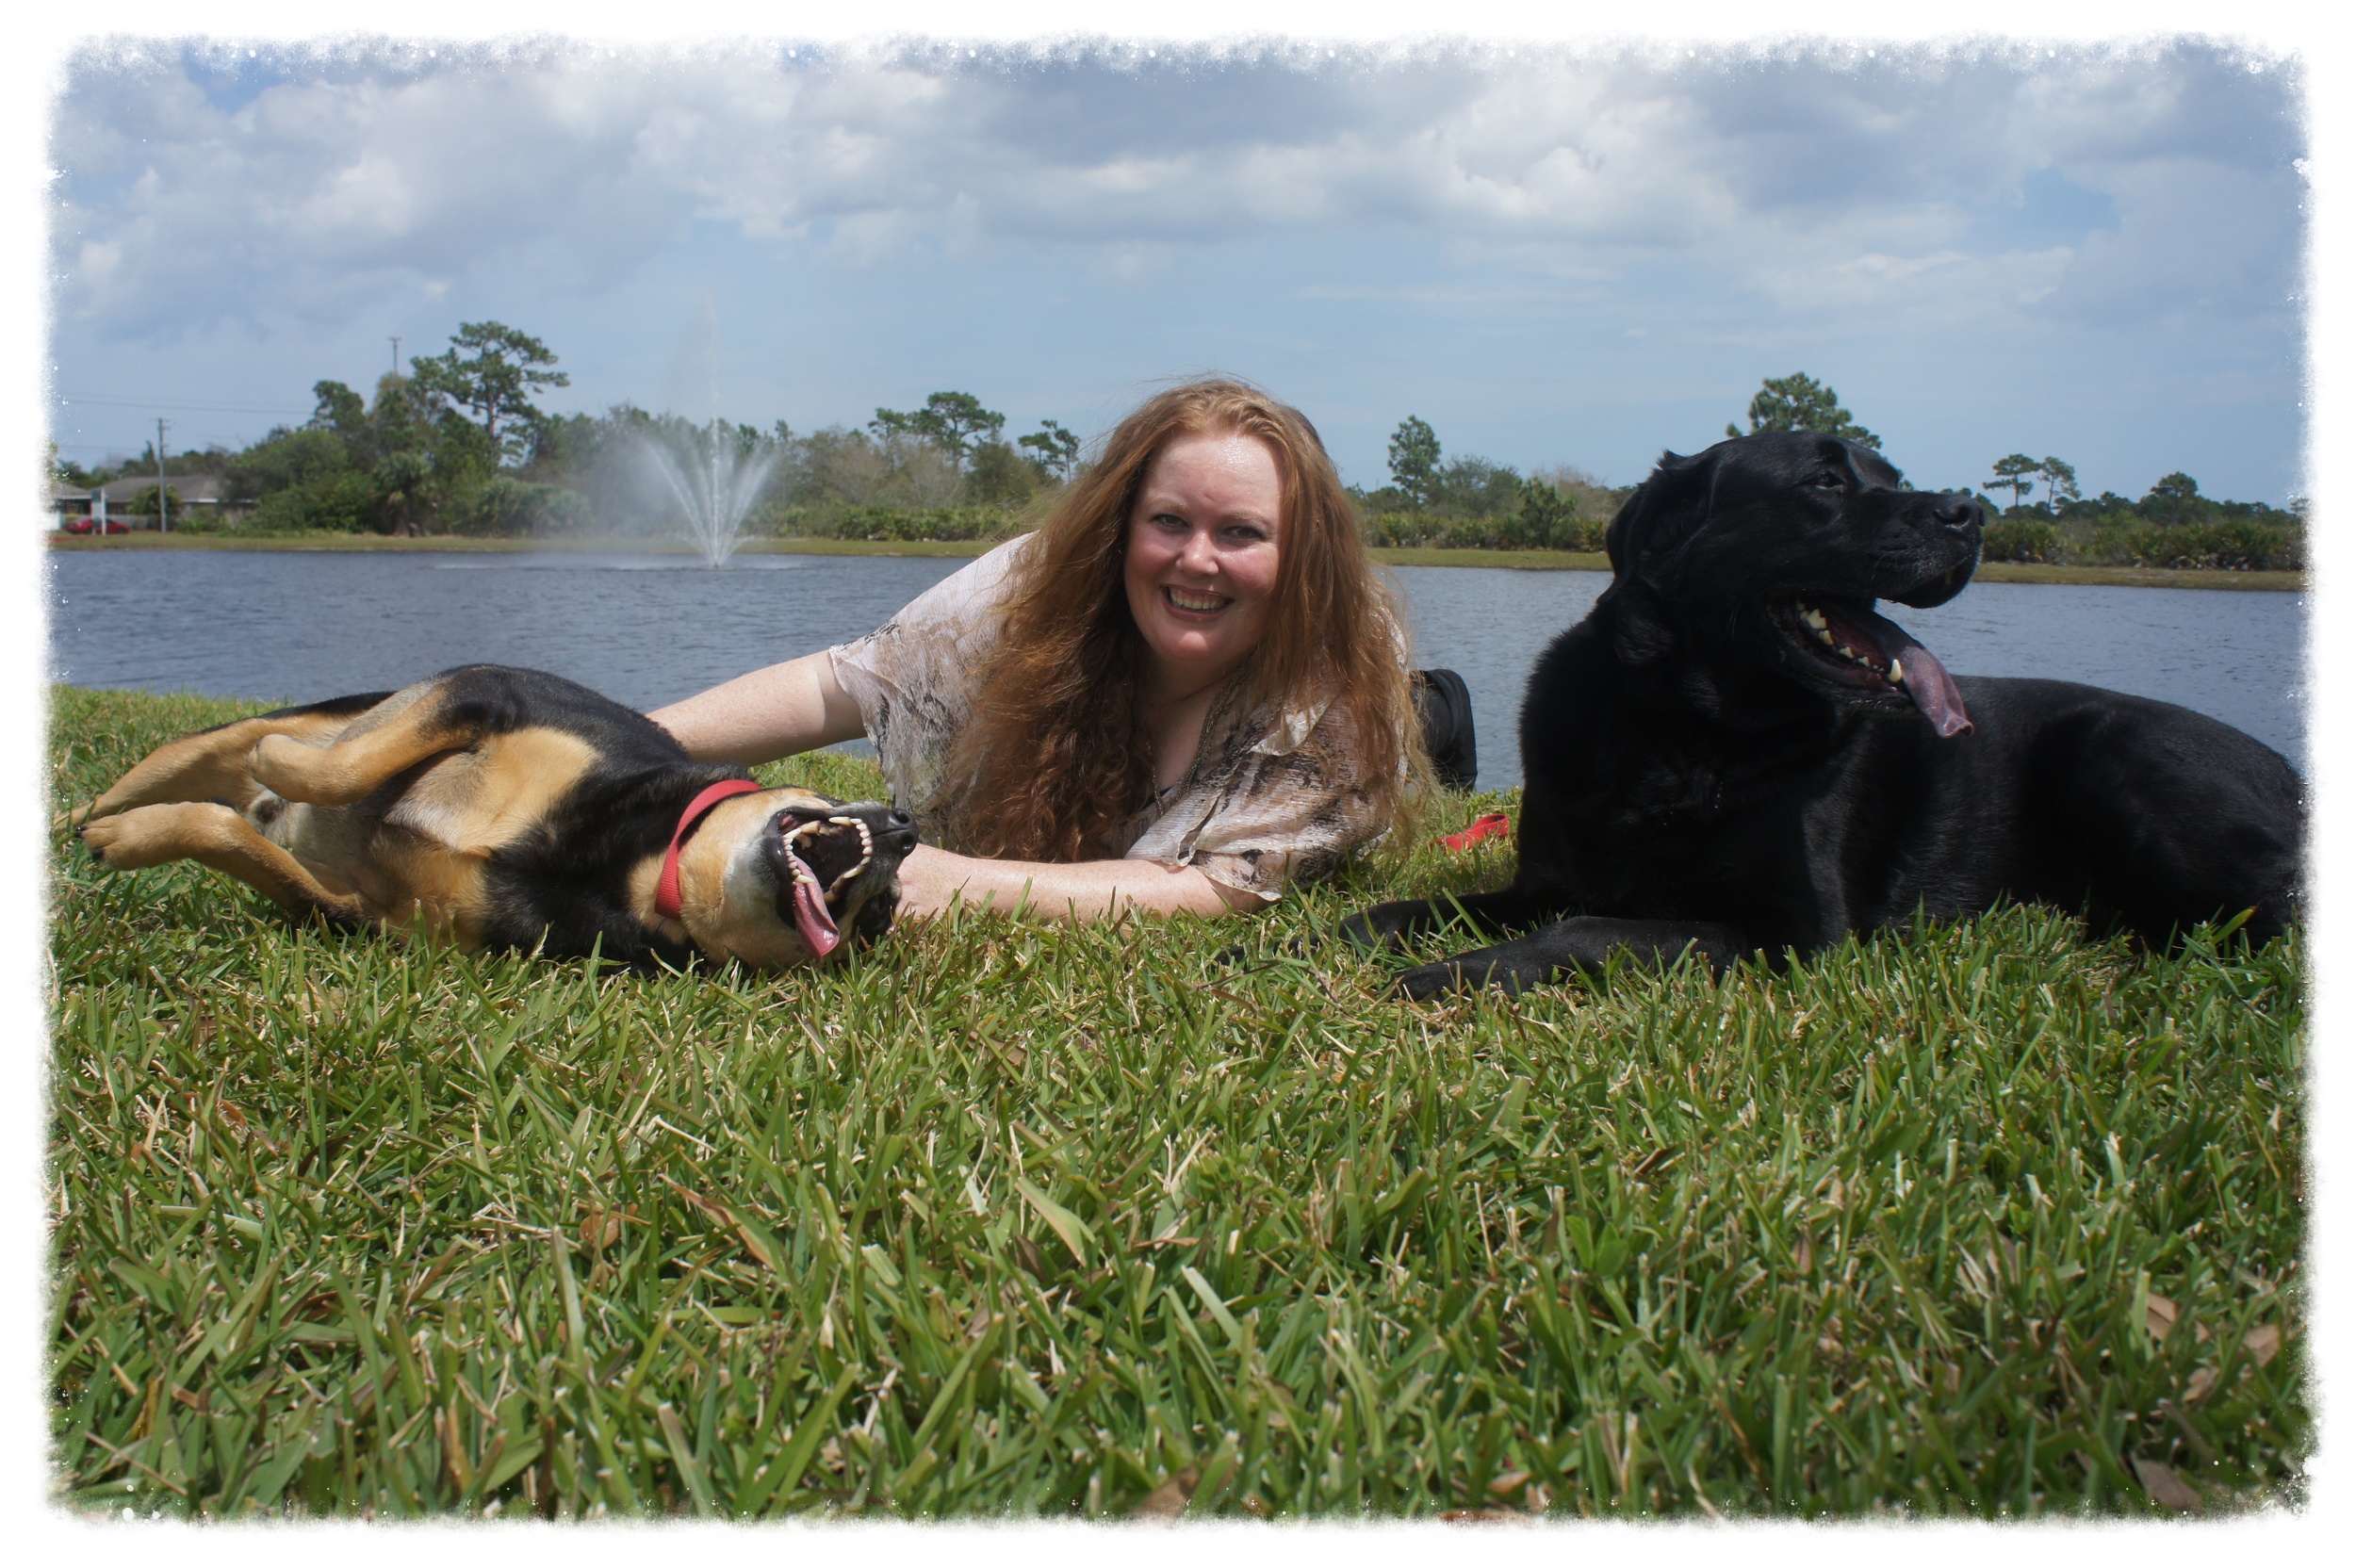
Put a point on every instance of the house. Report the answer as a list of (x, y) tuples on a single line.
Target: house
[(66, 502), (190, 495)]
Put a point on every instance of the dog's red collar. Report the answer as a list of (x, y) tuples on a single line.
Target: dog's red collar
[(666, 886)]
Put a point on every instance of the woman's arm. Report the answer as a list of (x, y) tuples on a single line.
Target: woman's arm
[(799, 706), (1083, 892), (787, 708)]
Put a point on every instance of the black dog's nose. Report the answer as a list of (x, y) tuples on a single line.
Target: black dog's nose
[(1958, 509), (901, 830)]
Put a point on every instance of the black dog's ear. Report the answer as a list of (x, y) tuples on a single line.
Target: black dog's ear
[(1673, 495)]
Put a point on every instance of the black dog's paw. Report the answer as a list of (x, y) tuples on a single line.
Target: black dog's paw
[(1511, 967), (1466, 974), (1382, 928), (1430, 980)]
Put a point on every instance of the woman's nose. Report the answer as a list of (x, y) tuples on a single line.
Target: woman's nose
[(1201, 553)]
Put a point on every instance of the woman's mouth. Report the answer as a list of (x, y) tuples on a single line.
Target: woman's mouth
[(1193, 602)]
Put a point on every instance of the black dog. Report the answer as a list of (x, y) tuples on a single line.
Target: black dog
[(1733, 752)]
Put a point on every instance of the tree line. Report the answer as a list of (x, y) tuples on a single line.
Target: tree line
[(459, 444)]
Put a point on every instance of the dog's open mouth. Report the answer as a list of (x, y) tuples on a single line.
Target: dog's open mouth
[(1865, 651), (823, 856)]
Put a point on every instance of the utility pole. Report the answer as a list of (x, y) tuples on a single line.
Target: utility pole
[(396, 356), (163, 496)]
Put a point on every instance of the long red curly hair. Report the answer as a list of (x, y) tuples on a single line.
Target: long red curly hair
[(1056, 759)]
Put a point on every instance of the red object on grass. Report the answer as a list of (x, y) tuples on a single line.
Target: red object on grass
[(1482, 829)]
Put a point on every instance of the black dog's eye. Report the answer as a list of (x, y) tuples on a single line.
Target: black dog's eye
[(1829, 482)]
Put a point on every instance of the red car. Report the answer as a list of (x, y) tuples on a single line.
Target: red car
[(89, 525)]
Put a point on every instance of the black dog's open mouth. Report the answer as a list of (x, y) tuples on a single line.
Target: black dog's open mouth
[(1862, 650)]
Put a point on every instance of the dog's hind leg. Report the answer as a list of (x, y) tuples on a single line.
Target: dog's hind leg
[(349, 768), (213, 764), (213, 835)]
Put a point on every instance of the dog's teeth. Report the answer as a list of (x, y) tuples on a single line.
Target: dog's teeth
[(1897, 672)]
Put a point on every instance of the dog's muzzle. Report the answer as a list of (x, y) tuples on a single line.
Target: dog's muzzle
[(832, 859)]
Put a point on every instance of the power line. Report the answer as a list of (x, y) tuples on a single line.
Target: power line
[(157, 403)]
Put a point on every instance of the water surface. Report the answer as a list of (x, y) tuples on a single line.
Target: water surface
[(649, 630)]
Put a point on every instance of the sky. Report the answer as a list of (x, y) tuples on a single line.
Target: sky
[(1552, 254)]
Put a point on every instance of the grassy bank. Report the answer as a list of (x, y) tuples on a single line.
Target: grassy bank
[(1981, 1219), (1993, 571), (2140, 576)]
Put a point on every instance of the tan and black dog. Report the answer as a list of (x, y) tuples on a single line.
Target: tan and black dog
[(506, 808)]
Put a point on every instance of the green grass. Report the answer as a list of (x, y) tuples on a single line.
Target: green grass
[(1006, 1219)]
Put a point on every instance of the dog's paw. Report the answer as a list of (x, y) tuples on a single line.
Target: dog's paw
[(1466, 973), (1375, 930), (133, 839), (100, 838), (1429, 980)]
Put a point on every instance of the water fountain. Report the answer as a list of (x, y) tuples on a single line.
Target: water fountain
[(712, 476), (714, 486)]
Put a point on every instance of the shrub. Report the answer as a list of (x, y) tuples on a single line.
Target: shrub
[(2235, 546), (509, 508), (903, 524), (2021, 539), (1520, 530), (340, 502)]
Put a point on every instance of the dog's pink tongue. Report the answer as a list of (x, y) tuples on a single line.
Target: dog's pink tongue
[(1934, 692), (814, 921)]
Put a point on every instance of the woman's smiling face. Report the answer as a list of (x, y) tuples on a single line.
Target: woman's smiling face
[(1203, 553)]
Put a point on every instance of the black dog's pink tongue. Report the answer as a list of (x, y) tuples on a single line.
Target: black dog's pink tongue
[(1921, 676), (1933, 689), (1916, 670)]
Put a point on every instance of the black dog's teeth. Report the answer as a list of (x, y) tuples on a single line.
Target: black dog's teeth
[(1813, 620)]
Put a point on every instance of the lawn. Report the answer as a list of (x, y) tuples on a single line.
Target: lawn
[(1004, 1220)]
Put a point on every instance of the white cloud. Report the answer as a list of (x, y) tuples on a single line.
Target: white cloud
[(1801, 181)]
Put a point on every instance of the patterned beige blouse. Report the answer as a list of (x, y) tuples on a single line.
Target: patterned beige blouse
[(1254, 812)]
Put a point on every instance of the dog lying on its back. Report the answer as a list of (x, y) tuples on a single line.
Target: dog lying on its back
[(507, 808), (1734, 752)]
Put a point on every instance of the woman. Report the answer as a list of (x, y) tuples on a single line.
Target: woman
[(1185, 691)]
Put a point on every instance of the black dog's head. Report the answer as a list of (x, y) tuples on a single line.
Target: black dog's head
[(1767, 552)]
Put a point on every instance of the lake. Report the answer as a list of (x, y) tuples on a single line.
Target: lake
[(649, 629)]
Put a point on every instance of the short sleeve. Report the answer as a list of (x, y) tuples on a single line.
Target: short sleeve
[(912, 677)]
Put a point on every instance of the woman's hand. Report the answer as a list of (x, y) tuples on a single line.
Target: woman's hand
[(1083, 892), (780, 711)]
